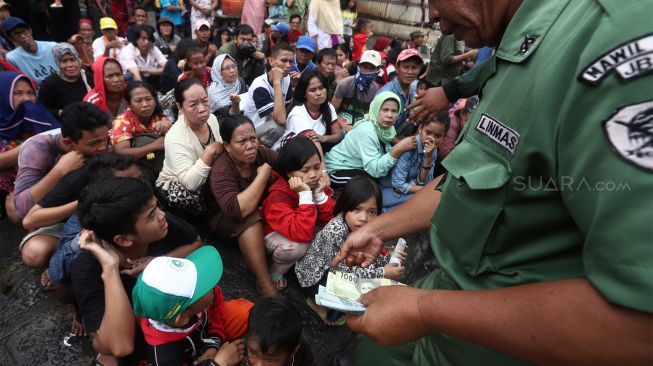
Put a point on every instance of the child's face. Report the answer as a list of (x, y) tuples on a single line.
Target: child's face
[(362, 214), (256, 357), (310, 172), (197, 63), (433, 132), (184, 318)]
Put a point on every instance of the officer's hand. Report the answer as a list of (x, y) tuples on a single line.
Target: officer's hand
[(392, 315), (361, 248), (428, 104)]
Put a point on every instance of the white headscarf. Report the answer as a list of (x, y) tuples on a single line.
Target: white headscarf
[(219, 89)]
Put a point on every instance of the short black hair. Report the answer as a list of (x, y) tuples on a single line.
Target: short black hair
[(105, 165), (138, 30), (111, 206), (293, 154), (295, 16), (360, 25), (184, 85), (140, 8), (441, 118), (244, 29), (182, 47), (357, 191), (78, 117), (281, 46), (276, 323), (135, 84), (326, 52), (194, 50), (230, 124)]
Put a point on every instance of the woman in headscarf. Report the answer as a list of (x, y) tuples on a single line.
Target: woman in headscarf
[(21, 116), (325, 22), (226, 86), (70, 84), (366, 149), (109, 86)]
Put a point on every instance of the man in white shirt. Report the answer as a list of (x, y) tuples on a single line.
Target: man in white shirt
[(270, 95), (109, 44)]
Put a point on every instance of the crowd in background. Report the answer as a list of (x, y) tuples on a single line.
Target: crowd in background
[(134, 130)]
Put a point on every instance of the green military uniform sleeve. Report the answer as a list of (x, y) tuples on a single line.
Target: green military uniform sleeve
[(606, 155)]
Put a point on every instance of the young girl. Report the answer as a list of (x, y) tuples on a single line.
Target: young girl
[(358, 204), (348, 19), (415, 168), (362, 32), (195, 66), (312, 114), (297, 202)]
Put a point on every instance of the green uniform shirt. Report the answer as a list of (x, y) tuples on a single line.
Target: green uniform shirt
[(553, 178), (440, 68)]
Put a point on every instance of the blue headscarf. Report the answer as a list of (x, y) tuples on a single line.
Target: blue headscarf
[(26, 119)]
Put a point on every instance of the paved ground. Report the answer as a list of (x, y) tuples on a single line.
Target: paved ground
[(33, 323)]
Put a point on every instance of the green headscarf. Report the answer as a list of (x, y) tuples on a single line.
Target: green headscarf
[(385, 134)]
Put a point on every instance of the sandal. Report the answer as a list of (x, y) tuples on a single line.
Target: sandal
[(279, 281), (322, 314)]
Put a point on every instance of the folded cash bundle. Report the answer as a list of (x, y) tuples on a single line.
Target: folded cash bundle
[(343, 291)]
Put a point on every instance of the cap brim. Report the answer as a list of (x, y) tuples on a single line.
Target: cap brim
[(208, 263)]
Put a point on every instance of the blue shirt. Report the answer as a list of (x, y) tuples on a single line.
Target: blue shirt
[(37, 66), (175, 16), (405, 173), (308, 68), (393, 86)]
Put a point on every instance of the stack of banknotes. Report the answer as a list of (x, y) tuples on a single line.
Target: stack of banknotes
[(343, 291)]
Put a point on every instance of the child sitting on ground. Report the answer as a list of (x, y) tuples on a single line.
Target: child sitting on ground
[(297, 202), (275, 335), (195, 67), (415, 168), (358, 204), (183, 314)]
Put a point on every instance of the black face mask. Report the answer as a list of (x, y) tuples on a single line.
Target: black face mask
[(246, 49)]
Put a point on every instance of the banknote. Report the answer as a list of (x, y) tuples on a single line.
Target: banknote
[(323, 298), (350, 287)]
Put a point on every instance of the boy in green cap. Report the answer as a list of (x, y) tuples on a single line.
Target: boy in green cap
[(182, 314)]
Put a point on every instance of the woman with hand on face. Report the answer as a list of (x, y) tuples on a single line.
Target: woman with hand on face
[(139, 131), (21, 116), (70, 84), (415, 168), (311, 114), (239, 179), (226, 87), (366, 150), (109, 86), (191, 146)]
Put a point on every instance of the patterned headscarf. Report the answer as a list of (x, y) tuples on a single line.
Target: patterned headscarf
[(219, 89), (62, 49)]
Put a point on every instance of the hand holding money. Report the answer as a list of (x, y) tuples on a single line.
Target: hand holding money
[(343, 291)]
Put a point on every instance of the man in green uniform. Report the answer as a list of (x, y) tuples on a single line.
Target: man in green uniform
[(447, 59), (542, 226)]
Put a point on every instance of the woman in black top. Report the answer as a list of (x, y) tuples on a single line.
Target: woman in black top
[(68, 85)]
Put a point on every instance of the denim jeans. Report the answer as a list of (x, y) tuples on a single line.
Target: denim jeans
[(68, 250)]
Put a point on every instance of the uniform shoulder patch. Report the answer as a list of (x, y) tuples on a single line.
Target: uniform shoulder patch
[(629, 60), (630, 132), (498, 132)]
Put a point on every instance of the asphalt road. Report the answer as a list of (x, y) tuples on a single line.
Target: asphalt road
[(33, 323)]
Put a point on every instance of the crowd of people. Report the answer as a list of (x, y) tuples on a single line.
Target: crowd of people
[(137, 141), (139, 138)]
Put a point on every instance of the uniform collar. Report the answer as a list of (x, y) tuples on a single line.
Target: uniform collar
[(528, 27)]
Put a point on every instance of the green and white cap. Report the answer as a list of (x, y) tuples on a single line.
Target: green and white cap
[(170, 285)]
